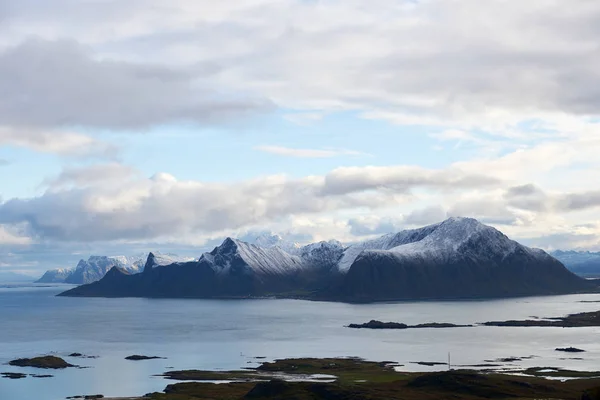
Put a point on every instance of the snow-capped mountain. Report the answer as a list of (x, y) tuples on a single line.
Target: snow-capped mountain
[(95, 267), (235, 256), (583, 263), (56, 275), (267, 240), (158, 259), (459, 257), (322, 254)]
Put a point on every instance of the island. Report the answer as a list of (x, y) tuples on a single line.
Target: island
[(45, 362), (374, 324), (137, 357), (585, 319)]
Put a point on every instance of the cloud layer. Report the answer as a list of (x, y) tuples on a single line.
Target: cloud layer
[(82, 207)]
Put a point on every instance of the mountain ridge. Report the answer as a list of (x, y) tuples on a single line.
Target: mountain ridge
[(96, 267), (456, 258)]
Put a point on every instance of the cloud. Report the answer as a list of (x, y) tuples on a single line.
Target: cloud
[(307, 153), (4, 162), (8, 237), (564, 240), (367, 226), (83, 207), (58, 142), (425, 216), (579, 201), (417, 59), (56, 84), (401, 179), (527, 197), (91, 175)]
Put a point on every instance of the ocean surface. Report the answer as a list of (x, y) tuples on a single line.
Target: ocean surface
[(230, 334)]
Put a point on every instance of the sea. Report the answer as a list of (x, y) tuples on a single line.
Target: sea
[(234, 334)]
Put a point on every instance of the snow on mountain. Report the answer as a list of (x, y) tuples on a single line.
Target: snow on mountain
[(56, 275), (440, 243), (235, 256), (384, 242), (95, 267), (158, 259), (267, 240), (322, 254), (456, 236)]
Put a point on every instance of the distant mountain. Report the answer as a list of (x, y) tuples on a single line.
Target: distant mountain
[(95, 267), (273, 240), (457, 258), (14, 277), (58, 275), (583, 263)]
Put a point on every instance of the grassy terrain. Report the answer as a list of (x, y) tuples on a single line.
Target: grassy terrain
[(362, 380)]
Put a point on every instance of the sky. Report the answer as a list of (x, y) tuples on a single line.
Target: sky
[(136, 125)]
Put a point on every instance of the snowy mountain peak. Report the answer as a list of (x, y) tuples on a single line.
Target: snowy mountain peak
[(275, 240), (439, 242), (236, 256), (158, 259)]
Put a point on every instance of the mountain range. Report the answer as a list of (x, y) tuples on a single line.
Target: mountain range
[(583, 263), (456, 258), (96, 267)]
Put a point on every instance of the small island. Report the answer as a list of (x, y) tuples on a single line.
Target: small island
[(570, 350), (374, 324), (137, 357), (586, 319), (45, 362)]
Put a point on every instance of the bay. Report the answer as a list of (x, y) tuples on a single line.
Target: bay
[(230, 334)]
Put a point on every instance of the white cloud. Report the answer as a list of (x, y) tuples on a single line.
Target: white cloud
[(91, 175), (8, 237), (307, 153), (57, 141), (91, 209), (439, 59), (53, 84)]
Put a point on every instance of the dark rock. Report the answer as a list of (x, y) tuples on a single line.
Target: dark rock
[(41, 376), (137, 357), (75, 355), (429, 363), (47, 362), (374, 324), (570, 349), (13, 375)]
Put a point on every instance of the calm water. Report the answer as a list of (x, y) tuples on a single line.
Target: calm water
[(210, 334)]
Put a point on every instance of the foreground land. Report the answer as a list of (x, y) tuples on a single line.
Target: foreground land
[(355, 379)]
